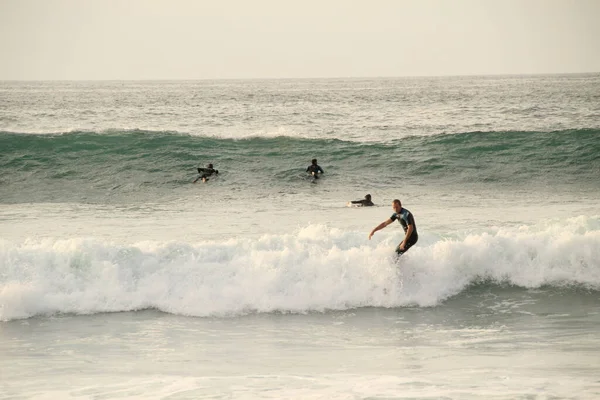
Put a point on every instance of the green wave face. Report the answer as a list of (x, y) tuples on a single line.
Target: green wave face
[(103, 166)]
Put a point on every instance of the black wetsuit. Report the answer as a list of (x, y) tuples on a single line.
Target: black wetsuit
[(364, 202), (206, 172), (405, 218), (314, 169)]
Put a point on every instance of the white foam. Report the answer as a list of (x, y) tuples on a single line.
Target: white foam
[(314, 269)]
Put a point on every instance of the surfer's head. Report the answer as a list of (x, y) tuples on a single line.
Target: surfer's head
[(314, 161), (210, 166), (397, 205), (368, 197)]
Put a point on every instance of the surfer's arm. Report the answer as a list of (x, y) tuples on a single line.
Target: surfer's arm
[(380, 226)]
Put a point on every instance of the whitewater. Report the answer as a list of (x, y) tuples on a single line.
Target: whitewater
[(314, 269), (120, 278)]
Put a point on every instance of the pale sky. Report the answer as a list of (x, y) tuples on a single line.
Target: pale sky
[(198, 39)]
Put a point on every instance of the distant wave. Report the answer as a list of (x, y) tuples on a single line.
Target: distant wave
[(74, 165), (293, 273)]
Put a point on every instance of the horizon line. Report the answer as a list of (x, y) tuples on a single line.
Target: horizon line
[(303, 78)]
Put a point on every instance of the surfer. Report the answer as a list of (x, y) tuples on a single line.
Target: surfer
[(205, 173), (314, 169), (366, 202), (406, 219)]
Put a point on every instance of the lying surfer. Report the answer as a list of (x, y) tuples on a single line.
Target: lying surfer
[(366, 202), (205, 173)]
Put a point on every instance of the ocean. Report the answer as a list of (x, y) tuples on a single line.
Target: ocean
[(122, 279)]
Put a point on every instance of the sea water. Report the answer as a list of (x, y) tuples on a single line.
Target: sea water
[(120, 278)]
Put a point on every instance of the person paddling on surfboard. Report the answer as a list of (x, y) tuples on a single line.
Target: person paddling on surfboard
[(366, 202), (314, 169), (205, 173), (406, 219)]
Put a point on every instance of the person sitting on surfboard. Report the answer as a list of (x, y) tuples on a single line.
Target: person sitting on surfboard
[(314, 169), (205, 173), (366, 202), (406, 219)]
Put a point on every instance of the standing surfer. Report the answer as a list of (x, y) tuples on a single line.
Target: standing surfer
[(406, 219)]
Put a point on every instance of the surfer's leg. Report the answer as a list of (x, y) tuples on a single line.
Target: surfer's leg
[(406, 247)]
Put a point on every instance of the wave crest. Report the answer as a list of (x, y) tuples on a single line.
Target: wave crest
[(315, 269)]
